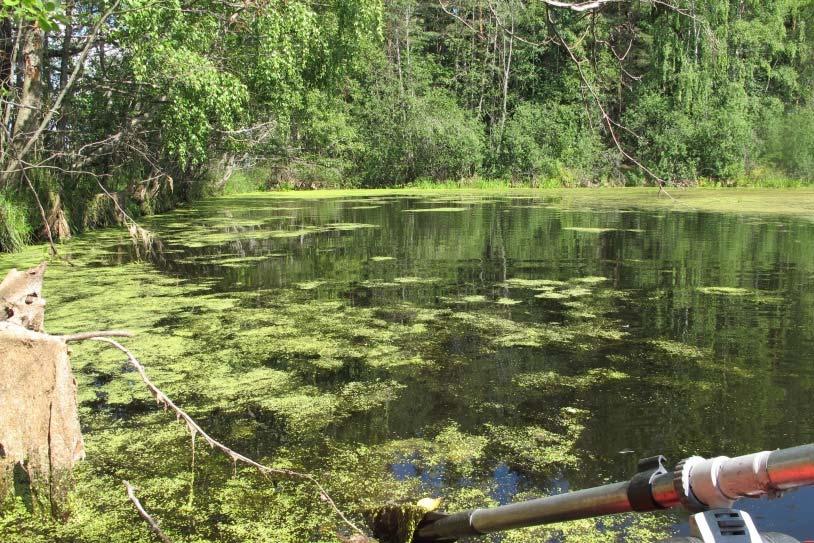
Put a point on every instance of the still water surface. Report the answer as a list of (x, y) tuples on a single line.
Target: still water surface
[(698, 326)]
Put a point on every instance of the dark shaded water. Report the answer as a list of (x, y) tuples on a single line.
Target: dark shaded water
[(738, 291)]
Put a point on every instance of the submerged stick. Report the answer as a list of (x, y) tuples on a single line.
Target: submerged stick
[(154, 527), (195, 429)]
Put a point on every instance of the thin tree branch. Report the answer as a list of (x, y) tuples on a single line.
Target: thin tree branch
[(195, 429), (58, 102), (154, 527), (581, 6), (609, 122)]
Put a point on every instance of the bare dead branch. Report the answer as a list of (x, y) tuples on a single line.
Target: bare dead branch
[(154, 527), (581, 6), (195, 429), (58, 102), (609, 122)]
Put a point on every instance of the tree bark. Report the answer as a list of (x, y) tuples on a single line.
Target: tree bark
[(30, 109), (40, 437)]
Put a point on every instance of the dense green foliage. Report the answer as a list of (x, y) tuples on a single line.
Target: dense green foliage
[(14, 227), (177, 96), (696, 91)]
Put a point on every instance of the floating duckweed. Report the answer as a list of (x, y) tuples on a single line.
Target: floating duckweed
[(300, 382), (676, 348), (552, 296), (309, 285), (294, 233), (547, 380), (434, 209), (360, 397), (581, 314), (394, 523), (535, 449), (576, 292), (591, 279), (588, 230), (532, 283), (349, 226), (612, 335), (412, 280), (376, 283), (725, 291), (245, 260)]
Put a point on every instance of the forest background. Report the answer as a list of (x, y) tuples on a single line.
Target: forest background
[(134, 106)]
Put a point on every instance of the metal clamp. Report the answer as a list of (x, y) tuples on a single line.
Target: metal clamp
[(640, 489)]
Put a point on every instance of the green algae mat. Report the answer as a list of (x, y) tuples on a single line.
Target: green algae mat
[(480, 347)]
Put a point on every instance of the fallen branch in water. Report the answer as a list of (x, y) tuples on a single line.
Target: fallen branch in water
[(195, 429), (154, 527)]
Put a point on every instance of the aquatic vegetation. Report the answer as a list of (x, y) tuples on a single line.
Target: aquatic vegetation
[(588, 229), (434, 209), (725, 291), (294, 345), (591, 279), (752, 295), (470, 299), (519, 282), (395, 523), (552, 295), (309, 285), (534, 449), (457, 448), (343, 226), (547, 380), (412, 280), (675, 348)]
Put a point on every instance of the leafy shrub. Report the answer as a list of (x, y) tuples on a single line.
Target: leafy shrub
[(15, 231), (246, 180), (551, 142), (710, 139), (791, 146), (428, 136)]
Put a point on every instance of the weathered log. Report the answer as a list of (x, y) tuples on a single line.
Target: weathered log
[(40, 437)]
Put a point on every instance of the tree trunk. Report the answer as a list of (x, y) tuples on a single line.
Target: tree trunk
[(40, 437), (29, 109)]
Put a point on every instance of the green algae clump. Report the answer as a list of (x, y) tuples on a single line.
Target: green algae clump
[(588, 229), (394, 523), (725, 291), (435, 209)]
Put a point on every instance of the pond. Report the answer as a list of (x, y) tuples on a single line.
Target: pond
[(482, 347)]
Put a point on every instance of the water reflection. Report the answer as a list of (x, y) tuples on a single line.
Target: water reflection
[(738, 291)]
